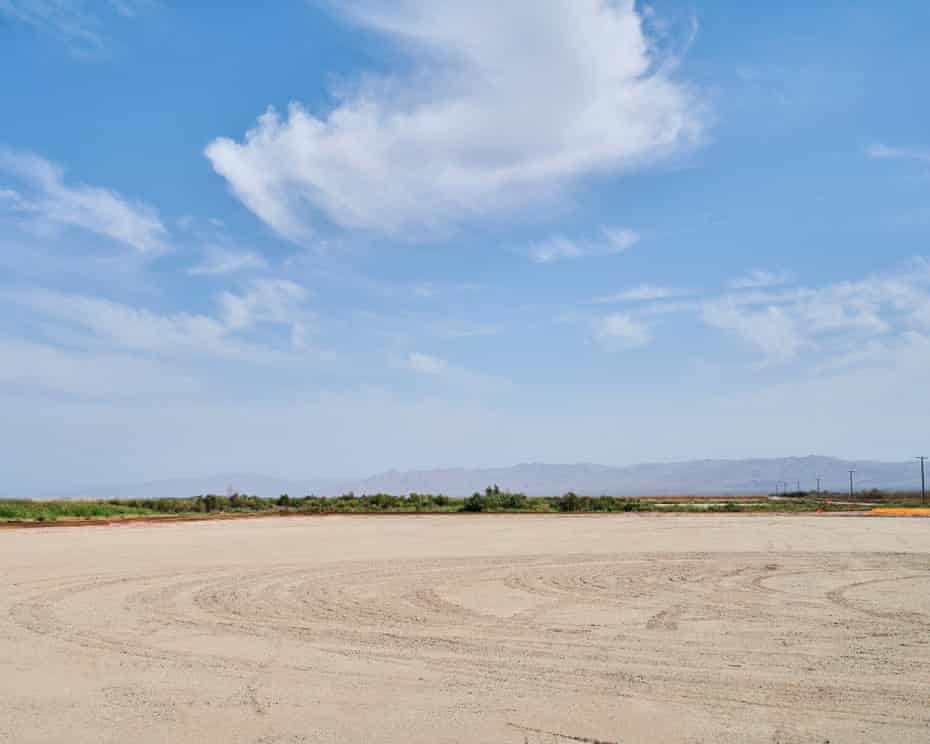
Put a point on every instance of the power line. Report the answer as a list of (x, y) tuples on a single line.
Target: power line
[(923, 481)]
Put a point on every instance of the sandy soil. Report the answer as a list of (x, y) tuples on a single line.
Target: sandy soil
[(626, 628)]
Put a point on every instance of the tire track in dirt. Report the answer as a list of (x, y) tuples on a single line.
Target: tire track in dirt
[(649, 638)]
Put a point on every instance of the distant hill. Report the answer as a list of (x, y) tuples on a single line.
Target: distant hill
[(692, 477), (697, 476), (260, 485)]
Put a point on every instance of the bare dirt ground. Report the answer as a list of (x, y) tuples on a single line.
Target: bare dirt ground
[(625, 628)]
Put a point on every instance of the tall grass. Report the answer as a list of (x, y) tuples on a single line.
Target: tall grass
[(25, 509)]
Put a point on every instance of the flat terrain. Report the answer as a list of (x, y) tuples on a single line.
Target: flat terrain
[(549, 629)]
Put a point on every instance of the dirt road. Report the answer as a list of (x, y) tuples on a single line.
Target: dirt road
[(625, 628)]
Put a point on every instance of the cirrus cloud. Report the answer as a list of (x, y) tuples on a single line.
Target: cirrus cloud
[(96, 321), (44, 196), (759, 279), (641, 293), (218, 261), (425, 363), (614, 240), (621, 331), (75, 22)]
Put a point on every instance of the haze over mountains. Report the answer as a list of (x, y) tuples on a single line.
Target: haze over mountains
[(537, 479)]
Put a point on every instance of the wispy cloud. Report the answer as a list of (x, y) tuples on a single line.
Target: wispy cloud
[(463, 330), (837, 316), (759, 279), (611, 242), (781, 323), (72, 21), (91, 373), (643, 292), (183, 335), (44, 196), (903, 153), (426, 364), (485, 123), (621, 331), (275, 301), (772, 330), (217, 261), (126, 327)]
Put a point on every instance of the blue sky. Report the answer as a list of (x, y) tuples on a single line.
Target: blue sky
[(333, 238)]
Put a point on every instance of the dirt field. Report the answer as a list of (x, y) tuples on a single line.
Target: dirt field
[(625, 628)]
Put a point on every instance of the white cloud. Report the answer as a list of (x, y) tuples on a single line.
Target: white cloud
[(643, 292), (426, 364), (90, 374), (835, 320), (463, 330), (425, 290), (844, 307), (670, 307), (555, 249), (614, 240), (906, 153), (58, 17), (68, 19), (116, 325), (772, 330), (507, 103), (275, 301), (840, 316), (759, 279), (127, 327), (623, 331), (219, 261), (50, 200)]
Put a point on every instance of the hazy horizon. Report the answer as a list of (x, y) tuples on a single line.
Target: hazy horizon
[(758, 475)]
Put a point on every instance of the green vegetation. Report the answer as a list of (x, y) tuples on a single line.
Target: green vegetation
[(572, 502), (495, 500), (375, 503), (207, 504), (25, 509), (492, 499), (42, 510), (869, 497)]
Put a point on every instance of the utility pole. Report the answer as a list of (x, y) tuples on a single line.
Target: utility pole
[(851, 474), (923, 482), (818, 484), (799, 486)]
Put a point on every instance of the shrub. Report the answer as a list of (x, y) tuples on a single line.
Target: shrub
[(570, 502), (493, 499)]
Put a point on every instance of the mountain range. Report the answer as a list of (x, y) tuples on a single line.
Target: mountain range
[(538, 479)]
